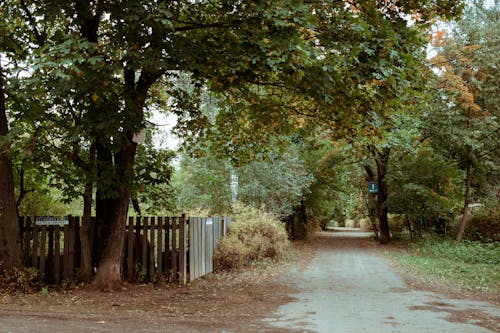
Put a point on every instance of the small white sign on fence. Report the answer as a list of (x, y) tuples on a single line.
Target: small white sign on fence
[(51, 220), (209, 221)]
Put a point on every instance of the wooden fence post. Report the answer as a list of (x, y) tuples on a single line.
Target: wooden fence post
[(130, 249), (57, 258)]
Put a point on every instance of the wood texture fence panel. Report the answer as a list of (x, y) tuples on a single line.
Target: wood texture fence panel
[(176, 248)]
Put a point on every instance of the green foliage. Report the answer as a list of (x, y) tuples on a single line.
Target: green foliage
[(471, 265), (153, 171), (15, 279), (484, 226), (254, 236), (424, 189), (202, 183), (275, 184)]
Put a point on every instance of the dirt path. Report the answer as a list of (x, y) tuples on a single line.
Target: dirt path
[(348, 287), (342, 285)]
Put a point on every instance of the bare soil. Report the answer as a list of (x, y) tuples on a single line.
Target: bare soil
[(250, 300)]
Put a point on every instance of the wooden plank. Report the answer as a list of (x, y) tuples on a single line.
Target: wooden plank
[(71, 247), (34, 257), (151, 257), (159, 244), (144, 258), (130, 249), (167, 245), (66, 252), (43, 245), (174, 248), (182, 249), (57, 254), (78, 243)]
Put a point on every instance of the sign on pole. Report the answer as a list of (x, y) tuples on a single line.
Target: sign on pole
[(373, 187)]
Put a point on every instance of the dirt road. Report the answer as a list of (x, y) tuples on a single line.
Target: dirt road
[(343, 285), (348, 287)]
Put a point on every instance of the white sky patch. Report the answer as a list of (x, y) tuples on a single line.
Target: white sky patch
[(163, 136)]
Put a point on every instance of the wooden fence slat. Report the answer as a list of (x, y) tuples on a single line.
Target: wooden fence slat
[(57, 254), (71, 250), (151, 257), (175, 252), (167, 245), (130, 249), (66, 252), (43, 243), (159, 244), (78, 243), (34, 253), (144, 241)]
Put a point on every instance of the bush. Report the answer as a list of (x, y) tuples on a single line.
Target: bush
[(484, 226), (253, 236)]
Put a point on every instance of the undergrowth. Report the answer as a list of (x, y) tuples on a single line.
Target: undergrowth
[(254, 237), (19, 279), (471, 265)]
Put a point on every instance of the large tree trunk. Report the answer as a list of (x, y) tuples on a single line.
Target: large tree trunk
[(380, 199), (111, 213), (87, 264), (466, 211), (10, 235)]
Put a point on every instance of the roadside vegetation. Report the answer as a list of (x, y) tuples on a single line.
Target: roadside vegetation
[(471, 265), (254, 237)]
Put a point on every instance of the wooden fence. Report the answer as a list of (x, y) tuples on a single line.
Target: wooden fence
[(171, 248)]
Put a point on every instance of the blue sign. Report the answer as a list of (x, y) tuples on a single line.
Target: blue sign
[(373, 187)]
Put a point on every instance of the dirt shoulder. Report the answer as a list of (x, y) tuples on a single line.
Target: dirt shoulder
[(231, 301)]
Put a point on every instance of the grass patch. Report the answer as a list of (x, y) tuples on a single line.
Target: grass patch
[(470, 265)]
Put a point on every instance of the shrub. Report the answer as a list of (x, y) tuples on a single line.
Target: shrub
[(484, 226), (253, 236)]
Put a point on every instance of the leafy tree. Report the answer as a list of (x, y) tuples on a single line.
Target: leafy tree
[(10, 238), (276, 184), (425, 189), (203, 184), (464, 121), (103, 59)]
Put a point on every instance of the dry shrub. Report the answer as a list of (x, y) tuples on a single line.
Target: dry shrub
[(19, 279), (365, 224), (254, 236)]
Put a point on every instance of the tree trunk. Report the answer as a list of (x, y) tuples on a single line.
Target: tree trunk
[(466, 211), (380, 199), (112, 216), (87, 264), (382, 161), (10, 235)]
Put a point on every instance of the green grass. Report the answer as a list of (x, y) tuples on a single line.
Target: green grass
[(470, 265)]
